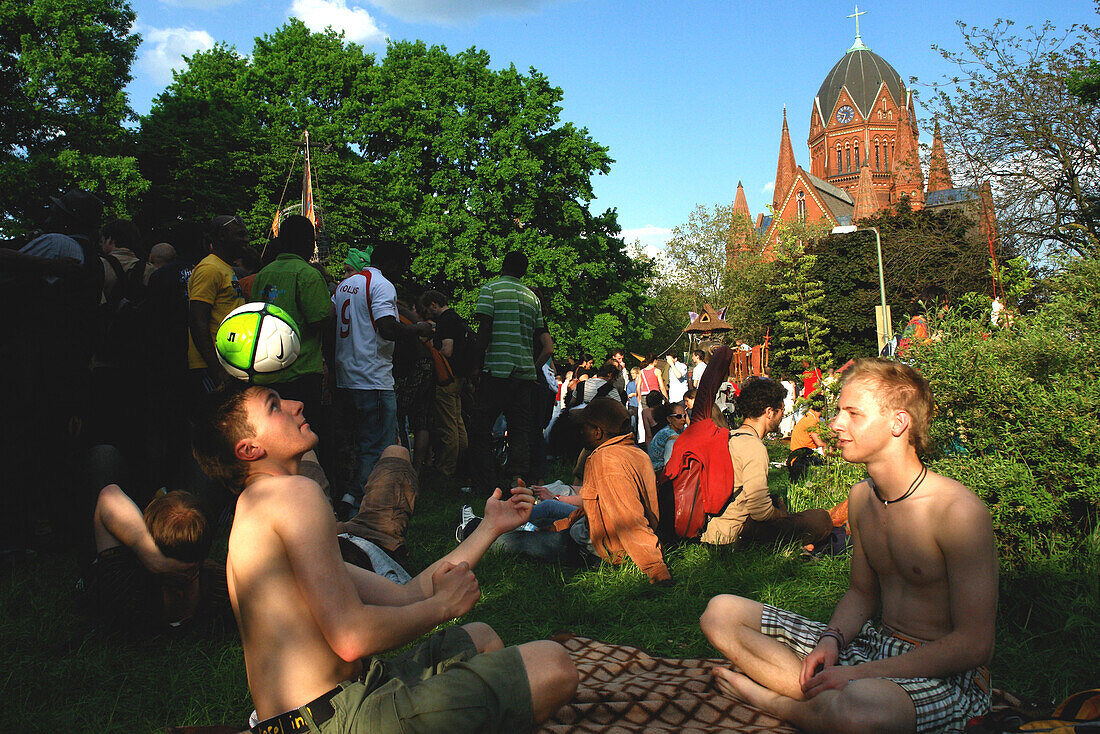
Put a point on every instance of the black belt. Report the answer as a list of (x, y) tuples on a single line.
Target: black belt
[(292, 722)]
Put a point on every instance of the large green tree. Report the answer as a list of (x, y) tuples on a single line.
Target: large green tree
[(63, 67), (477, 162), (436, 150)]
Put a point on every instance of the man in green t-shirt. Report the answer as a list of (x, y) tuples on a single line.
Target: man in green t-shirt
[(298, 288)]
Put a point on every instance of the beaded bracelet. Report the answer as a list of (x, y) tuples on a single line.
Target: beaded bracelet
[(836, 634)]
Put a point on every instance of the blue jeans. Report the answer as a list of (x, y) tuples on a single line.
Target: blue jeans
[(550, 511), (375, 429)]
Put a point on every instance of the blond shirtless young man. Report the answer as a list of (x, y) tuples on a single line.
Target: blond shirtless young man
[(922, 553), (310, 623)]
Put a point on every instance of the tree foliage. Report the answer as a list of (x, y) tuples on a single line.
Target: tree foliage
[(1085, 83), (803, 327), (1013, 120), (712, 258), (432, 149), (63, 67), (919, 249)]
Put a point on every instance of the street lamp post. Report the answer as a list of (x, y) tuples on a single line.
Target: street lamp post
[(848, 229)]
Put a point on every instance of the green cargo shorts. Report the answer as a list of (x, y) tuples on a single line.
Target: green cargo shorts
[(443, 685)]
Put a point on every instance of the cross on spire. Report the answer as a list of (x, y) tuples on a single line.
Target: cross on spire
[(859, 41)]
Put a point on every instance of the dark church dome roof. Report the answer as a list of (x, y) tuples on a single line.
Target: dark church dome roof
[(862, 71)]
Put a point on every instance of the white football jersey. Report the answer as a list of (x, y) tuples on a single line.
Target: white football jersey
[(364, 360)]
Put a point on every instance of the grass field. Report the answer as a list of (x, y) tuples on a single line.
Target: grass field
[(55, 676)]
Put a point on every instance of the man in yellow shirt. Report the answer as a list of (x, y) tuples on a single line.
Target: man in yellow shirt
[(212, 292)]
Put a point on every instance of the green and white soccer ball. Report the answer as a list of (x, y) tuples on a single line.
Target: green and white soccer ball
[(257, 340)]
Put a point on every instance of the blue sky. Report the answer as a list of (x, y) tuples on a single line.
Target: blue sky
[(688, 95)]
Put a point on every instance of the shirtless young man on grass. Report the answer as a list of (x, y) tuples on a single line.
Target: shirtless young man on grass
[(923, 553), (310, 623)]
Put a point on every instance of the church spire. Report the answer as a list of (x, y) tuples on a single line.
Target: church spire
[(785, 171), (740, 225), (740, 203), (939, 176), (908, 178), (866, 203)]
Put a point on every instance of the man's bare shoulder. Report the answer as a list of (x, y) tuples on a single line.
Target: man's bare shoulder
[(958, 509), (279, 493)]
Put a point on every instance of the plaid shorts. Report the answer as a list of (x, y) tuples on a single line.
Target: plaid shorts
[(942, 704)]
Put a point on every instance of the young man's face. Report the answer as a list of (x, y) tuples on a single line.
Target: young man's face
[(775, 417), (862, 427), (281, 428)]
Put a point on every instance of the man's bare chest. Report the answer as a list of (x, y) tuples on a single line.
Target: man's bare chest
[(900, 543)]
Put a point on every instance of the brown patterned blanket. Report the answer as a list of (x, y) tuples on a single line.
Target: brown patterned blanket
[(623, 689)]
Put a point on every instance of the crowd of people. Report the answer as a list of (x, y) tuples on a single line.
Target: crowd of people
[(139, 446)]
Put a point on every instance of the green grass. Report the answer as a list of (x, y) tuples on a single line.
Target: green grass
[(57, 677)]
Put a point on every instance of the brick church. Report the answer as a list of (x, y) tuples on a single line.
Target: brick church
[(864, 155)]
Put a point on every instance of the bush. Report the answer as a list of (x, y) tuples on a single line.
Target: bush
[(1017, 410)]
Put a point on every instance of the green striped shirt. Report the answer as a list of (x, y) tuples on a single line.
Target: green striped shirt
[(516, 315)]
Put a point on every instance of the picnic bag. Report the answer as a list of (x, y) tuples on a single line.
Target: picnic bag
[(1078, 714)]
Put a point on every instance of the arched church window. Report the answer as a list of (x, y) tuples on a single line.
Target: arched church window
[(848, 158), (857, 157), (839, 169), (877, 168), (801, 206)]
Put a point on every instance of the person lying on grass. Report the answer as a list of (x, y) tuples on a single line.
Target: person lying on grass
[(923, 554), (150, 571), (310, 624)]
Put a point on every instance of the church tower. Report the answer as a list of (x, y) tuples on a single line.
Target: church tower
[(864, 154), (856, 117)]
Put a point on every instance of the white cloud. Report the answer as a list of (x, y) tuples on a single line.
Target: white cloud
[(450, 11), (162, 50), (768, 188), (652, 238), (200, 4), (357, 24)]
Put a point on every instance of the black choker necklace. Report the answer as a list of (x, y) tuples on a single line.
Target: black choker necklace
[(912, 487)]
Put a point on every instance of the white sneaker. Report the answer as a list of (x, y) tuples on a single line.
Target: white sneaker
[(464, 520)]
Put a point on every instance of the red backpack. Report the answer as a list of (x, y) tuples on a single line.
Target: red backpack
[(701, 472)]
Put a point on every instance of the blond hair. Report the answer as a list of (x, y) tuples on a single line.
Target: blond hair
[(897, 386), (179, 527)]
